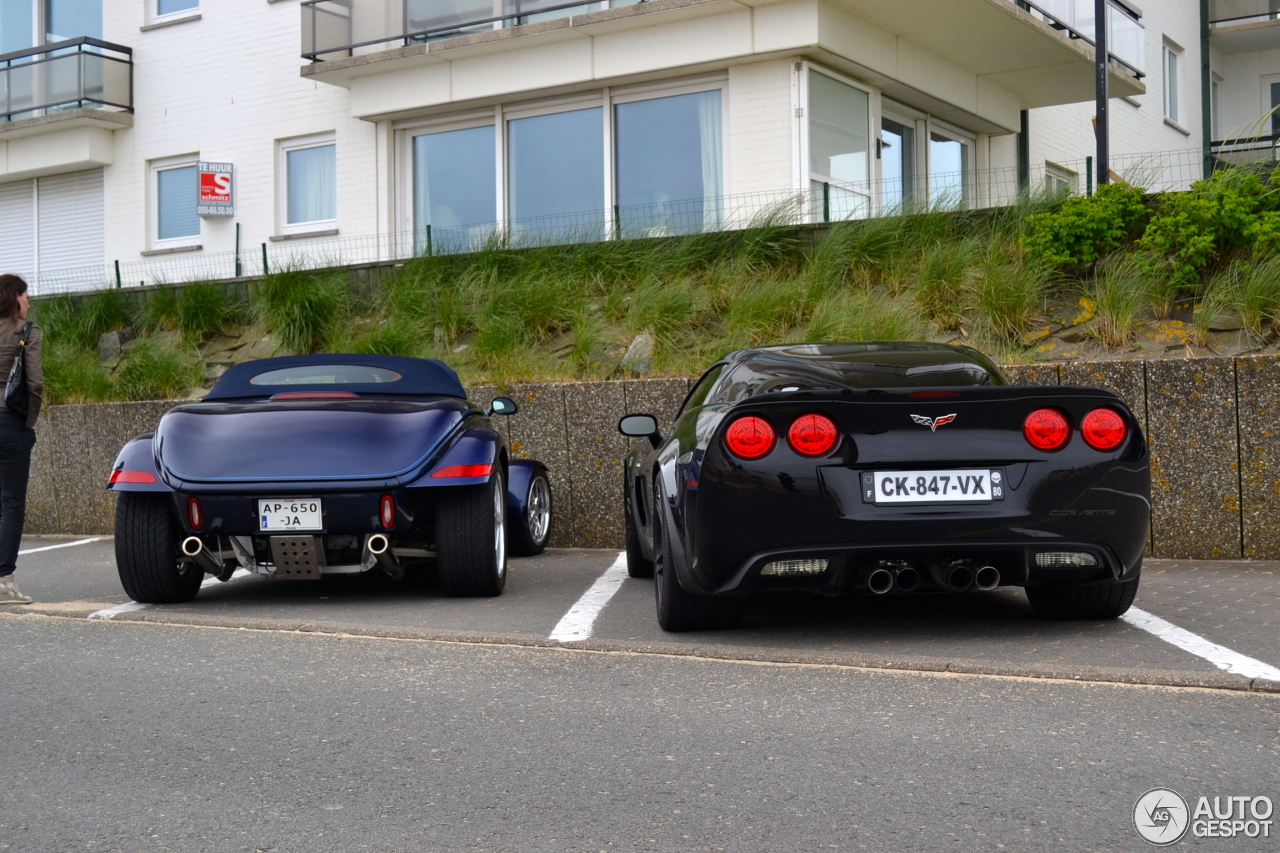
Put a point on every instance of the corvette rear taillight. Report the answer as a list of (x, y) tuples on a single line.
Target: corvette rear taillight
[(1103, 429), (813, 435), (123, 476), (749, 437), (194, 513), (1046, 429), (387, 512)]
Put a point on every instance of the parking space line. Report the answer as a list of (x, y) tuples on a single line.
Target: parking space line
[(130, 606), (1220, 656), (61, 545), (576, 624)]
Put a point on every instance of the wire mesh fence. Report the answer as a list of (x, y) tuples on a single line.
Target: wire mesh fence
[(824, 202)]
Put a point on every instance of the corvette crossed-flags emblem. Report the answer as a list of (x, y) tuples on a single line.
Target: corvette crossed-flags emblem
[(933, 423)]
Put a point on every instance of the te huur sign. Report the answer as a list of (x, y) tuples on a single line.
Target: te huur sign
[(217, 189)]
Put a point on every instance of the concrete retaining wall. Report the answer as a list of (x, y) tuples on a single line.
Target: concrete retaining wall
[(1215, 452)]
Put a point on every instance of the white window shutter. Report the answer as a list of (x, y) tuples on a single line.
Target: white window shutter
[(72, 225), (18, 229)]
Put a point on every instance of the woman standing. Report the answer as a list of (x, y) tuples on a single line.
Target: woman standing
[(17, 433)]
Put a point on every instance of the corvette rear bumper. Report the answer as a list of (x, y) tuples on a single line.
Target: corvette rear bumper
[(848, 565)]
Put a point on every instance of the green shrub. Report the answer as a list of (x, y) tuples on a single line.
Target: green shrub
[(1084, 229), (73, 375), (1120, 291), (152, 371), (202, 308), (302, 309)]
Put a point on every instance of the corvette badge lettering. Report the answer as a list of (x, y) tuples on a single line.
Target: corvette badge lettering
[(933, 423)]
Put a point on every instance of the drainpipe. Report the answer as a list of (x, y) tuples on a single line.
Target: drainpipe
[(1102, 85), (1206, 90), (1024, 153)]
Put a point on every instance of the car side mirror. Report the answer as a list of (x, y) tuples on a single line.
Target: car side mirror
[(503, 406), (641, 426)]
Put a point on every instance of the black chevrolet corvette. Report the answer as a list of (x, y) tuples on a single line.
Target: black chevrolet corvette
[(883, 468)]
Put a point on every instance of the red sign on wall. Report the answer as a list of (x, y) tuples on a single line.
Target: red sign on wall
[(217, 188)]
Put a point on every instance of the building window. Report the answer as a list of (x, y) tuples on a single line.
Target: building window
[(950, 159), (1059, 181), (839, 146), (897, 161), (1172, 71), (555, 173), (454, 188), (310, 182), (172, 7), (175, 203), (668, 155)]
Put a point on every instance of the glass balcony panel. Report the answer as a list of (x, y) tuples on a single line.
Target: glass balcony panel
[(1228, 12), (66, 75), (1128, 40)]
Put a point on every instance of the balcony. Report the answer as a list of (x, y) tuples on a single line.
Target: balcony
[(1242, 26), (1261, 149), (59, 104)]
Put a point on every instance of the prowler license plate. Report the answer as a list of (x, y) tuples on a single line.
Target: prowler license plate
[(285, 514), (970, 485)]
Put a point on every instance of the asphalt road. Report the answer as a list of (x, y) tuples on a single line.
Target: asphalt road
[(359, 714)]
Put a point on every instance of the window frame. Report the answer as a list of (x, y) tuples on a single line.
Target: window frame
[(154, 168), (301, 143), (155, 16), (1171, 80), (804, 116), (967, 168)]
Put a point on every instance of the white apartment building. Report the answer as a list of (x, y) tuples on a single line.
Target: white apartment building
[(362, 129)]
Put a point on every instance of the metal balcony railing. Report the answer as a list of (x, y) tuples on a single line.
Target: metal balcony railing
[(1126, 36), (1226, 13), (79, 72), (334, 29), (1263, 148)]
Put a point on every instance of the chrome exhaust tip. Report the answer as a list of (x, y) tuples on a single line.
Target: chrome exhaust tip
[(193, 547), (879, 581), (906, 579), (987, 577), (379, 546), (954, 577)]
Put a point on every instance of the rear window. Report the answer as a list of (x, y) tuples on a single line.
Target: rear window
[(326, 374)]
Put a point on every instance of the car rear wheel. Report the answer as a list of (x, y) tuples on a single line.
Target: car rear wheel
[(1082, 601), (530, 532), (638, 566), (679, 610), (471, 539), (147, 551)]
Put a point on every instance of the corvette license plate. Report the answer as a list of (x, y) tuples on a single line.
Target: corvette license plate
[(289, 514), (969, 485)]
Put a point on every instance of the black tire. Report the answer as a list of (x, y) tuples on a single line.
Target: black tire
[(147, 551), (638, 566), (528, 535), (471, 539), (679, 610), (1081, 600)]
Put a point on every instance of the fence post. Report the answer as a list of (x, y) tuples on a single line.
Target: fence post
[(119, 283), (429, 248), (617, 222), (826, 202), (237, 250), (264, 259), (1088, 177)]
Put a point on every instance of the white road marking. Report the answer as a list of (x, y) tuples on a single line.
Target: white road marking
[(62, 545), (112, 612), (1220, 656), (576, 624), (129, 607)]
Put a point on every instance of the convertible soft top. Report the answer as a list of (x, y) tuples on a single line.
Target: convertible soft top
[(359, 374)]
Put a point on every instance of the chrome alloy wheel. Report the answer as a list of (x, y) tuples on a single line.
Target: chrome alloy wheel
[(499, 525), (538, 513)]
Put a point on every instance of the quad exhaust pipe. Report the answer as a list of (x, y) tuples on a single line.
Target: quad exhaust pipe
[(379, 546), (956, 577), (878, 580), (193, 548), (987, 577), (906, 579)]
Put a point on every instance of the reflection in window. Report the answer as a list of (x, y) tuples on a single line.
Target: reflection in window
[(176, 203), (839, 149), (669, 171), (454, 188), (555, 166), (948, 171), (897, 158), (313, 191), (168, 7), (68, 19)]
